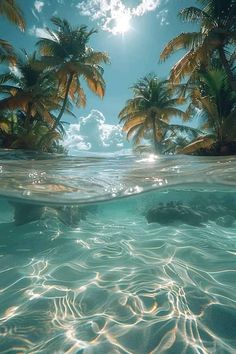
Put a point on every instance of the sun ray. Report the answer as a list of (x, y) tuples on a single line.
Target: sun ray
[(122, 23)]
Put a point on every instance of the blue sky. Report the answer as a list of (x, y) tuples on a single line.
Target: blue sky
[(133, 54)]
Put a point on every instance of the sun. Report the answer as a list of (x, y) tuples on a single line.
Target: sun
[(122, 23)]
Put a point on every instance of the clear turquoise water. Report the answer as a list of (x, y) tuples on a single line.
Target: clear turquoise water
[(111, 282)]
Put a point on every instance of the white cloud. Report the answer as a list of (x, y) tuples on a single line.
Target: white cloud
[(146, 6), (39, 32), (162, 17), (107, 12), (92, 133), (38, 5)]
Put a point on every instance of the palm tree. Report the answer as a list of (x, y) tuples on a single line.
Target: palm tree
[(175, 139), (9, 9), (14, 135), (174, 144), (31, 90), (217, 34), (40, 137), (150, 111), (216, 104), (67, 51)]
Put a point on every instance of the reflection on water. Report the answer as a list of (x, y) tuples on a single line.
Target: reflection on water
[(111, 282), (73, 180)]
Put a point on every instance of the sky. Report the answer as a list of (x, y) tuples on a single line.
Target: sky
[(132, 32)]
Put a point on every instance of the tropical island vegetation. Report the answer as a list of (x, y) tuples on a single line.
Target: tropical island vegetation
[(37, 89)]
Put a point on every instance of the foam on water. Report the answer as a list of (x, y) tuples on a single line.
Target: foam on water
[(114, 283)]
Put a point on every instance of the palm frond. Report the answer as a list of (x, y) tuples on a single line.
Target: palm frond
[(93, 57), (194, 132), (189, 63), (170, 112), (13, 13), (130, 133), (188, 41), (7, 53), (139, 135), (203, 143), (194, 14), (135, 121)]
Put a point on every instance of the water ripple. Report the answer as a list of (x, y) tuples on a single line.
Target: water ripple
[(40, 179), (107, 281), (118, 285)]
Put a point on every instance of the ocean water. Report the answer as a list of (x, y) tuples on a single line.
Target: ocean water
[(117, 254)]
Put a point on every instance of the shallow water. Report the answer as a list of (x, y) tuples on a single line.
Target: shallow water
[(110, 282)]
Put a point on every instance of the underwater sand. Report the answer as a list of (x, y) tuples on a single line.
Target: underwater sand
[(112, 282)]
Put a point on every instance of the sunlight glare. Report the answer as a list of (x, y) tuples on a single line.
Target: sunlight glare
[(122, 23), (149, 158)]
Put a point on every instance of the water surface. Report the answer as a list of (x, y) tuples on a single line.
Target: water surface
[(109, 281)]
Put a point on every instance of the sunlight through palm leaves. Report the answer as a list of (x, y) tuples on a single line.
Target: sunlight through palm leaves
[(217, 34)]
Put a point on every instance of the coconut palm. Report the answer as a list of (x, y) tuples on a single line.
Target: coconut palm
[(216, 104), (31, 90), (174, 141), (15, 135), (40, 137), (217, 34), (9, 9), (150, 110), (66, 50)]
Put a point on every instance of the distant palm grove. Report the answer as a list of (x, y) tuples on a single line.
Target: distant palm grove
[(37, 89)]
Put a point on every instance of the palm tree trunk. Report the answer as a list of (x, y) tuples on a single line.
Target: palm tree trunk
[(12, 124), (229, 73), (57, 121), (28, 117), (155, 142)]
